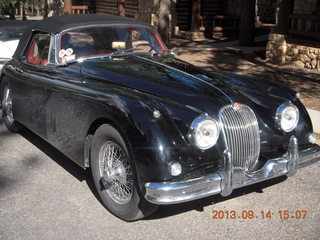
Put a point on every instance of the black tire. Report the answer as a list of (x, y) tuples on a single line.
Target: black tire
[(6, 105), (123, 202)]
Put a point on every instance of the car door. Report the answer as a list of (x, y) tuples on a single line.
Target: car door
[(36, 68)]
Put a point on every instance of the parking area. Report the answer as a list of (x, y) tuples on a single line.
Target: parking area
[(43, 195)]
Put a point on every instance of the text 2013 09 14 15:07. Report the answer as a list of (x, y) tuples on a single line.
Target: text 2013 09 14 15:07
[(251, 214)]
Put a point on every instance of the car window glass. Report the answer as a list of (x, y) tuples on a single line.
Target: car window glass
[(93, 41), (38, 52)]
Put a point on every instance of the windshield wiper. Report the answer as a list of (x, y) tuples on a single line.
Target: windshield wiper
[(169, 51), (119, 51)]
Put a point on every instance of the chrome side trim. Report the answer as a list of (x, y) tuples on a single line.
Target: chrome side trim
[(230, 178)]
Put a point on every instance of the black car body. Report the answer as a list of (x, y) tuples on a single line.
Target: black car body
[(154, 129)]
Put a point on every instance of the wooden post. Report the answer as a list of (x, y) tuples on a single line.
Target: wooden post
[(285, 11), (122, 8), (196, 15), (247, 23), (67, 7)]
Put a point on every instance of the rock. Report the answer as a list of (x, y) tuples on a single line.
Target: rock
[(313, 63), (312, 55), (298, 64), (308, 65), (295, 51), (269, 46), (288, 59), (282, 49), (280, 40), (304, 58)]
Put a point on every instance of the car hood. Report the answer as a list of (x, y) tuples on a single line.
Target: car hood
[(176, 81)]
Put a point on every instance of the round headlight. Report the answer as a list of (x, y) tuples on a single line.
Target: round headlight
[(287, 117), (205, 132)]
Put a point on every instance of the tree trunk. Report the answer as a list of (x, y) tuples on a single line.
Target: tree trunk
[(195, 18), (38, 8), (22, 10), (55, 7), (45, 8), (285, 10), (11, 12), (67, 6), (164, 20), (122, 8), (173, 18), (247, 23)]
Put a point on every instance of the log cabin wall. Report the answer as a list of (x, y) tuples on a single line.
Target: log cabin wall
[(209, 8), (107, 6)]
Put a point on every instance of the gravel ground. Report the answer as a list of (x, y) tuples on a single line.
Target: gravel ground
[(43, 195)]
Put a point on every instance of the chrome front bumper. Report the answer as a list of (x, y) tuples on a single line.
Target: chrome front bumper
[(230, 178)]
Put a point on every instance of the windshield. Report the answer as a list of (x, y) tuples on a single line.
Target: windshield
[(106, 40)]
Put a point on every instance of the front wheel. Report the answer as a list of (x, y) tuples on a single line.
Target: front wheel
[(7, 114), (114, 176)]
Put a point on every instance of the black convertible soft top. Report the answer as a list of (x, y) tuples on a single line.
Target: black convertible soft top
[(56, 24)]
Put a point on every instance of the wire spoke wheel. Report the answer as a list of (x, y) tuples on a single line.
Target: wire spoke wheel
[(115, 172)]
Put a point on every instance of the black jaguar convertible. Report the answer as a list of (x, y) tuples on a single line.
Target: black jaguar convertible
[(106, 92)]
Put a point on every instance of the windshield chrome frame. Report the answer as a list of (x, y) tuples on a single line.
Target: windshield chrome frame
[(58, 35)]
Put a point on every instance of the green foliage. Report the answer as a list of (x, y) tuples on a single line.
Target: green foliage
[(6, 3)]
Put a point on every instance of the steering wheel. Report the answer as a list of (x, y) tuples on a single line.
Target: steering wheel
[(144, 44)]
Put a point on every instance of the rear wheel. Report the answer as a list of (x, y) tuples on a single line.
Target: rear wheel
[(114, 176), (7, 114)]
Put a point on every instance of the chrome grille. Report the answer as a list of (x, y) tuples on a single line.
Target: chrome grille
[(241, 134)]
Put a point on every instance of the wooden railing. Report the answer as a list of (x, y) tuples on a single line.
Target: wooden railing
[(305, 26), (80, 10)]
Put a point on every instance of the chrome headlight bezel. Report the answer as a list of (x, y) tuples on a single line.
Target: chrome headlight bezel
[(196, 126), (280, 118)]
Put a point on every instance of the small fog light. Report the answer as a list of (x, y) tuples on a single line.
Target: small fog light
[(175, 169), (312, 138)]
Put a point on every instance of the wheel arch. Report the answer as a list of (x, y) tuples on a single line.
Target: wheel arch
[(91, 131)]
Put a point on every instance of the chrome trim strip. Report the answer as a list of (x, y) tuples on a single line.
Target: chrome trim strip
[(231, 178), (227, 181), (293, 156)]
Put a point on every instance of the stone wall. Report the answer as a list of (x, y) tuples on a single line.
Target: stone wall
[(281, 52), (305, 6)]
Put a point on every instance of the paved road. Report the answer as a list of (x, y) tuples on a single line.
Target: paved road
[(43, 195)]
